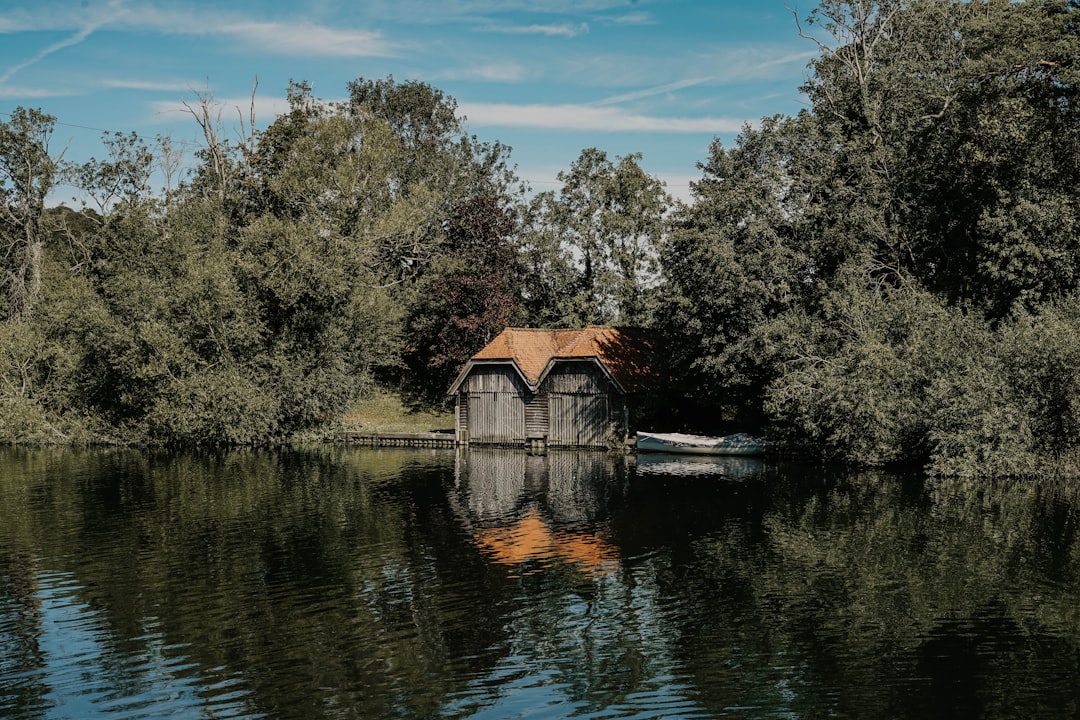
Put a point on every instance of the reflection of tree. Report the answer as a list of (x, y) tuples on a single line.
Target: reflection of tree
[(20, 628), (583, 487), (347, 582), (310, 584), (865, 599)]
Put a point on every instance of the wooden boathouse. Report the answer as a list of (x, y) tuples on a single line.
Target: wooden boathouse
[(551, 388)]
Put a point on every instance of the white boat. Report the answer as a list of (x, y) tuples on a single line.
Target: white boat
[(737, 444)]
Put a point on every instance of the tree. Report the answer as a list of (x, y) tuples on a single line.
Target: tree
[(741, 255), (27, 174), (955, 129), (122, 179), (426, 165), (470, 295), (264, 294), (929, 181), (592, 245)]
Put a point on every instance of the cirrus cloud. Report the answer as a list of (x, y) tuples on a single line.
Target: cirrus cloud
[(591, 117), (308, 39), (566, 30)]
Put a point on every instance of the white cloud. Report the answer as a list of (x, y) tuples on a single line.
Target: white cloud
[(281, 37), (493, 72), (308, 39), (146, 85), (589, 117), (443, 11), (638, 18), (284, 38), (649, 92), (567, 30), (15, 91)]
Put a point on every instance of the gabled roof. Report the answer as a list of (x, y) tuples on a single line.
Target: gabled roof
[(621, 352)]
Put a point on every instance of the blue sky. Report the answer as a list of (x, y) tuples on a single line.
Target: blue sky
[(547, 77)]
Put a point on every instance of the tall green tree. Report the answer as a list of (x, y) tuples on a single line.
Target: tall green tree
[(737, 258), (470, 294), (591, 246), (955, 131), (28, 171), (929, 183)]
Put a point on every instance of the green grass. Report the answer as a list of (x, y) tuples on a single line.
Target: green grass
[(382, 411)]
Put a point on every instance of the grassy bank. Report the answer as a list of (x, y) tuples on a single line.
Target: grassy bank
[(382, 411)]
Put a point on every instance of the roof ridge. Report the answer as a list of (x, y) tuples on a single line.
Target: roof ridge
[(584, 336), (573, 335)]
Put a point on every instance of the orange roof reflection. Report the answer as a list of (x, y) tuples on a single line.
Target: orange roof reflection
[(530, 538)]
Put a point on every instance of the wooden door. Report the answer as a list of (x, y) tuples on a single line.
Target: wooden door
[(578, 419), (497, 418)]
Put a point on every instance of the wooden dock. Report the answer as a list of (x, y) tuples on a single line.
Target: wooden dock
[(377, 439)]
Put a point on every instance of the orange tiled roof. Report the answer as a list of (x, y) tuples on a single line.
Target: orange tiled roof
[(621, 351)]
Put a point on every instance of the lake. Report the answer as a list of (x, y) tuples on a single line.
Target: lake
[(343, 582)]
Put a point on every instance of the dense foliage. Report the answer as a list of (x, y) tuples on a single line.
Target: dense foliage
[(892, 275), (889, 276), (259, 297)]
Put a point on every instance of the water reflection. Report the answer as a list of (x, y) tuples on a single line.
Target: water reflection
[(345, 583), (528, 511), (729, 467), (587, 635)]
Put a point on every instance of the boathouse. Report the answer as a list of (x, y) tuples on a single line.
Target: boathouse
[(552, 388)]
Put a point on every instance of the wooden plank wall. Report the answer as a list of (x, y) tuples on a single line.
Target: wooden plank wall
[(578, 420), (497, 418), (536, 416), (495, 406), (461, 417), (579, 406)]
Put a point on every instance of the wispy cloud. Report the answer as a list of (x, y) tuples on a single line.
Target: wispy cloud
[(284, 38), (638, 18), (83, 33), (307, 39), (443, 11), (15, 91), (492, 72), (281, 37), (649, 92), (145, 85), (568, 30), (592, 118), (790, 58)]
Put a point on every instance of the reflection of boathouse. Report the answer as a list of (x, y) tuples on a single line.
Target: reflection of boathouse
[(530, 512), (559, 388)]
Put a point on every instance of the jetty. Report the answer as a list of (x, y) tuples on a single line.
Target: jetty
[(390, 439)]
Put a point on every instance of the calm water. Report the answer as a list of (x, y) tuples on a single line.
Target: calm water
[(359, 583)]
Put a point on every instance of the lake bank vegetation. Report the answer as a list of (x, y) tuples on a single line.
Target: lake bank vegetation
[(890, 276)]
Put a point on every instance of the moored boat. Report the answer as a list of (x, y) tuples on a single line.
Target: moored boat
[(736, 444)]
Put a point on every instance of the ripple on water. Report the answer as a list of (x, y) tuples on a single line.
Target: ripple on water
[(71, 666)]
